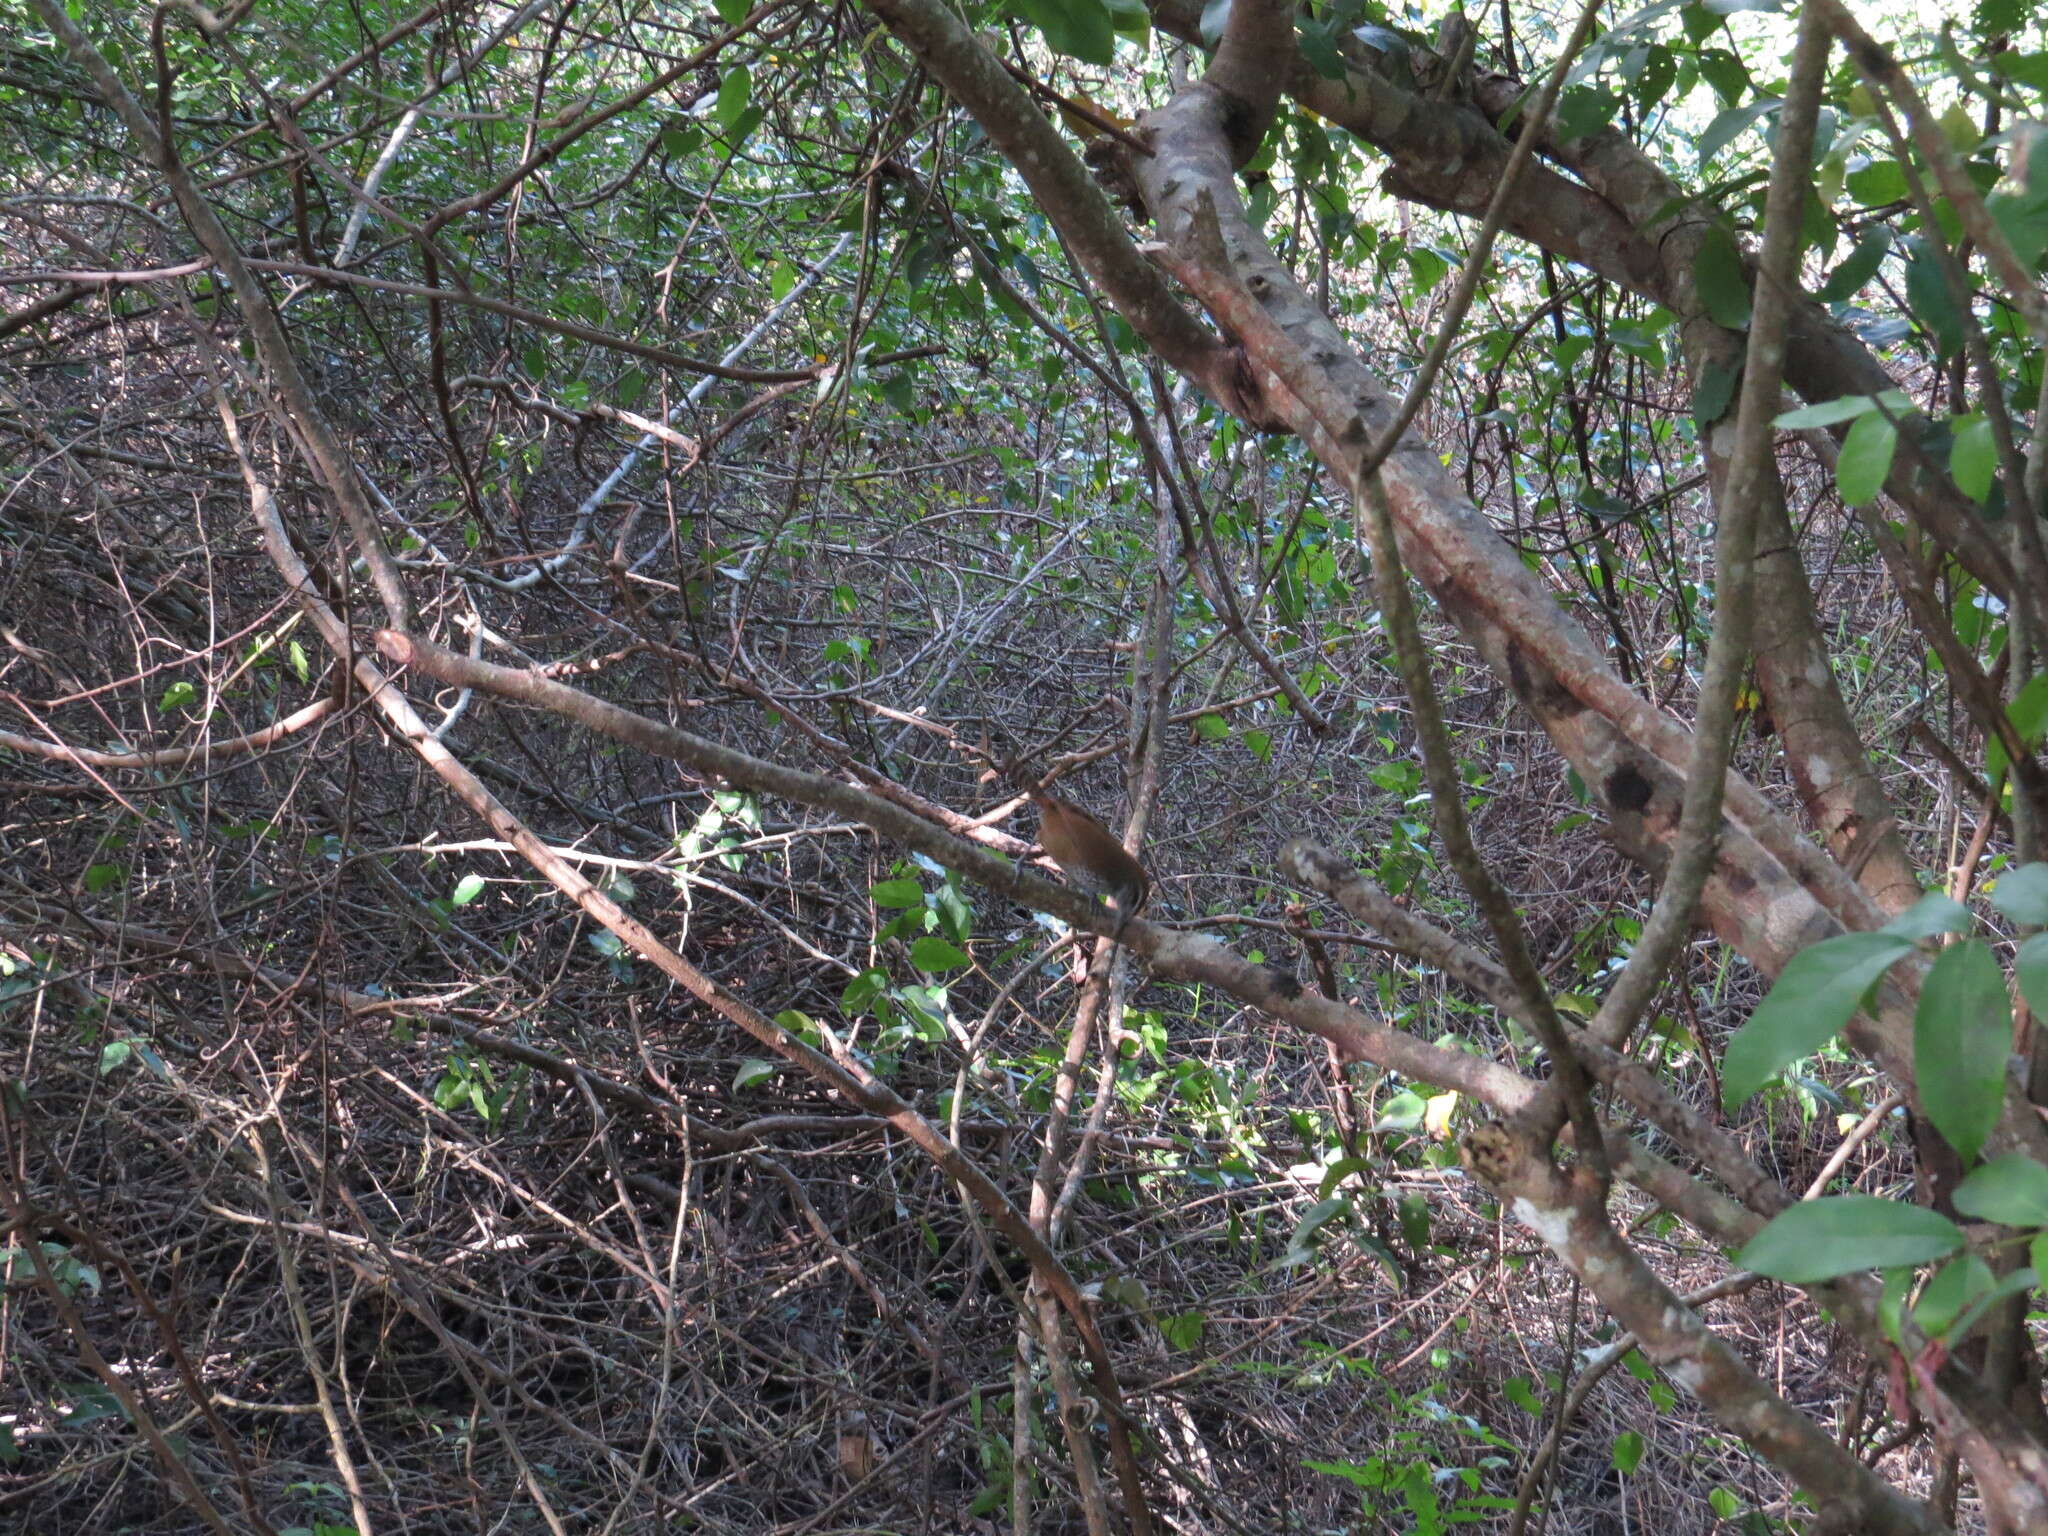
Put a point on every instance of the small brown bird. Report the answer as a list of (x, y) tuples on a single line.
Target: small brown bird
[(1089, 854)]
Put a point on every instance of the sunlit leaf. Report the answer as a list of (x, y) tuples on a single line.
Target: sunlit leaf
[(1815, 994)]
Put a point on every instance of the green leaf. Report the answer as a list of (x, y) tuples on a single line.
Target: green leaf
[(1828, 412), (1815, 994), (898, 894), (732, 12), (1973, 457), (1877, 183), (1825, 413), (753, 1070), (1866, 459), (1821, 1239), (2011, 1190), (1628, 1451), (1183, 1330), (1730, 125), (1081, 29), (1341, 1170), (1949, 1290), (932, 953), (2011, 1285), (735, 92), (1584, 109), (1858, 267), (179, 695), (1722, 280), (1302, 1243), (1211, 727), (1713, 394), (2028, 713), (1260, 745), (1931, 914), (2030, 968), (1130, 18), (467, 889), (1962, 1032), (2022, 894), (1928, 296), (1403, 1112)]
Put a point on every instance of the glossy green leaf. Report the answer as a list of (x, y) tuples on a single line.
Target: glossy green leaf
[(1722, 279), (2011, 1190), (1866, 459), (1962, 1032), (1842, 1234), (1815, 994), (2022, 894), (898, 893)]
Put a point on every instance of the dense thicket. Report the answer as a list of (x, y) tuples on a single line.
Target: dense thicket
[(543, 541)]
